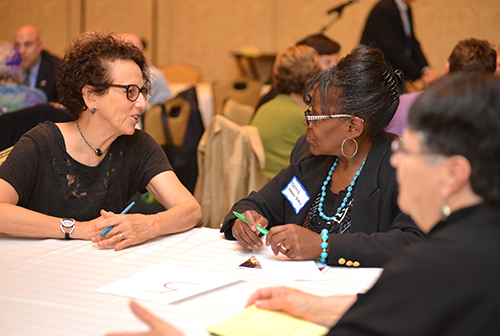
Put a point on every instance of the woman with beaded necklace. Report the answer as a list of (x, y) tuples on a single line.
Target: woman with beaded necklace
[(71, 180), (337, 199)]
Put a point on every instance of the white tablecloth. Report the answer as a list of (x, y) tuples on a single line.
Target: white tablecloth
[(47, 287)]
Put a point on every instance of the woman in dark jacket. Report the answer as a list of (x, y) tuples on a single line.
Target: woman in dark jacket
[(337, 199)]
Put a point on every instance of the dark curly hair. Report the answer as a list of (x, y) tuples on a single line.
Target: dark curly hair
[(459, 115), (293, 67), (362, 84), (86, 62)]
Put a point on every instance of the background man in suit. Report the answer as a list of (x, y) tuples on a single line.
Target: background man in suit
[(39, 68), (389, 27)]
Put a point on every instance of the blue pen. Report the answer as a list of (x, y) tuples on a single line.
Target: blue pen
[(106, 230)]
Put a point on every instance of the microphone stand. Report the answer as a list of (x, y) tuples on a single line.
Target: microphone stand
[(337, 9)]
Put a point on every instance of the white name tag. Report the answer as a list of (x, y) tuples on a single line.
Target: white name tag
[(296, 194)]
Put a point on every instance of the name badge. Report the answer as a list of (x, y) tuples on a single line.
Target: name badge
[(296, 194)]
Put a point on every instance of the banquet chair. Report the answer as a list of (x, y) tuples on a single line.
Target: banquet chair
[(14, 124), (230, 160), (242, 90), (181, 73), (167, 123), (240, 114), (177, 126)]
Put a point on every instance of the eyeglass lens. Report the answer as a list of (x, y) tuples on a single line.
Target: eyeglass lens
[(133, 92)]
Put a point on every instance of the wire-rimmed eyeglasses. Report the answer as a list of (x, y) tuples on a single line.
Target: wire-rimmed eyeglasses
[(398, 148), (310, 117), (133, 91)]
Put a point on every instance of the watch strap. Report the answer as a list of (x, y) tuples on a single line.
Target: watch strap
[(64, 226)]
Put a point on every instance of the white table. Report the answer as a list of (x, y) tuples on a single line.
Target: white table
[(47, 287)]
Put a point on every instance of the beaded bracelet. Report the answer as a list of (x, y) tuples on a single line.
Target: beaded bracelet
[(324, 246)]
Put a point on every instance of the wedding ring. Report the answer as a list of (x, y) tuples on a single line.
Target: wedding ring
[(283, 247), (122, 237)]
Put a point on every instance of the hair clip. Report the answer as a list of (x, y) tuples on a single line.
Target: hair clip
[(399, 76)]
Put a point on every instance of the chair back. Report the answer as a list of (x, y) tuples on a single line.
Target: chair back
[(242, 90), (167, 123), (181, 73), (4, 154), (14, 124), (240, 114)]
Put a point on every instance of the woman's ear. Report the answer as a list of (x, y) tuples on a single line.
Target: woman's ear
[(446, 69), (89, 96), (355, 127), (456, 175)]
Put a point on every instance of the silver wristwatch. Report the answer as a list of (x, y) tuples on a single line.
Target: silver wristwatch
[(67, 227)]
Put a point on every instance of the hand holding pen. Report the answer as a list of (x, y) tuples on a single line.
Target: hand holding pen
[(106, 230), (243, 229), (108, 241)]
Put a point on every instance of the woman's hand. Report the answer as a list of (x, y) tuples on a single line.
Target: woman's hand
[(294, 241), (157, 327), (247, 234), (325, 311), (127, 230)]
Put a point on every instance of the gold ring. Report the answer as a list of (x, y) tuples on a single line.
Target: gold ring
[(122, 237), (283, 247)]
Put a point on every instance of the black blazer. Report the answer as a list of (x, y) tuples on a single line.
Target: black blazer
[(378, 228), (384, 30), (46, 80)]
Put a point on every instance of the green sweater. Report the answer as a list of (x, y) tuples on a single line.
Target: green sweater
[(279, 122)]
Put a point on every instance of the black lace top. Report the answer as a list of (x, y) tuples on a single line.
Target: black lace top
[(340, 224), (48, 180)]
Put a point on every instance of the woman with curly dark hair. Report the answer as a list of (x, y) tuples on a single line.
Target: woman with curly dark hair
[(69, 180)]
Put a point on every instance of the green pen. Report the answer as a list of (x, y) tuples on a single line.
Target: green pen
[(240, 216)]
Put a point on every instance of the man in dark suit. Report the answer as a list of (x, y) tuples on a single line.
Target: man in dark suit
[(389, 27), (39, 68)]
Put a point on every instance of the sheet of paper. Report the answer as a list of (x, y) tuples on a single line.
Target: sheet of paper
[(281, 269), (253, 321), (166, 282)]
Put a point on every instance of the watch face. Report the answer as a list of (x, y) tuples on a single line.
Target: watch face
[(67, 223)]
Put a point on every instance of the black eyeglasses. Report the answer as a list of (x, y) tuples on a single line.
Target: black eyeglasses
[(310, 117), (133, 91)]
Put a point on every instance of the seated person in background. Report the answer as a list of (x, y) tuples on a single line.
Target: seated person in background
[(328, 51), (470, 55), (449, 183), (14, 96), (339, 180), (160, 89), (279, 121), (39, 68), (69, 180)]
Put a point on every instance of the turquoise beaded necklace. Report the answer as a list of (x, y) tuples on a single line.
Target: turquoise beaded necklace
[(347, 196)]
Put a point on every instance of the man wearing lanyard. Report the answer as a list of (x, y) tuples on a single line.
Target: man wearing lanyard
[(389, 27), (39, 68)]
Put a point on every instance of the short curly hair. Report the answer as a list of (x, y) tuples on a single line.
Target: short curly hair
[(473, 55), (293, 67), (86, 62)]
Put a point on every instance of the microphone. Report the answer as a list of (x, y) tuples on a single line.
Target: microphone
[(339, 8)]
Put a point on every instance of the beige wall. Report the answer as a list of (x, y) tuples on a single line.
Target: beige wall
[(204, 32)]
